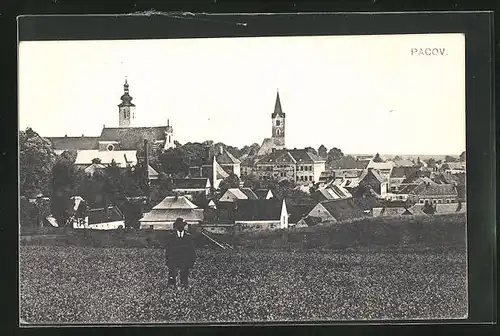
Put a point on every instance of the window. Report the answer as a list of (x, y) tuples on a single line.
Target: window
[(421, 202), (110, 147), (277, 132), (277, 123), (310, 178), (310, 168)]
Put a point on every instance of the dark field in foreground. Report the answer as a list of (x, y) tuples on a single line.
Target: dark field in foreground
[(72, 284)]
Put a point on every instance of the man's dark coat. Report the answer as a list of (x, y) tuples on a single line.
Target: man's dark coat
[(180, 252)]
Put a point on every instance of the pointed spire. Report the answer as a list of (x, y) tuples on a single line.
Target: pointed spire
[(277, 106)]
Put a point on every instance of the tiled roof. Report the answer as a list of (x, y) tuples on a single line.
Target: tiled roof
[(190, 183), (398, 172), (133, 137), (333, 192), (247, 210), (172, 202), (453, 165), (403, 163), (348, 172), (170, 215), (266, 147), (298, 212), (380, 165), (226, 158), (303, 156), (434, 190), (343, 209), (75, 143), (121, 157), (351, 164), (279, 156), (406, 188)]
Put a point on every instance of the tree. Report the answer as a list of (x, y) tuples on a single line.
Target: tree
[(397, 158), (431, 163), (377, 158), (250, 150), (96, 161), (173, 162), (65, 181), (462, 156), (322, 151), (449, 158), (113, 189), (36, 160), (311, 150), (335, 154), (192, 154)]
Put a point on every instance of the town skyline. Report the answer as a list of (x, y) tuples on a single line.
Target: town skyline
[(351, 111)]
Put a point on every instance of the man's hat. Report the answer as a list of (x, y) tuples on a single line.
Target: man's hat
[(179, 223)]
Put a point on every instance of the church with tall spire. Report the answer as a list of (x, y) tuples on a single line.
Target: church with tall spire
[(121, 144), (277, 139)]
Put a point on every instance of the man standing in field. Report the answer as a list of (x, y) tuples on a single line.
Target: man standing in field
[(180, 254)]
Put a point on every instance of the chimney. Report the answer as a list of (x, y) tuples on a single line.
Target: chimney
[(221, 149), (82, 135)]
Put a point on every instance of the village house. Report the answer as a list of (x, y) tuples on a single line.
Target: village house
[(163, 215), (434, 193), (337, 211), (453, 167), (384, 168), (403, 163), (251, 215), (234, 194), (297, 165), (373, 179), (189, 186)]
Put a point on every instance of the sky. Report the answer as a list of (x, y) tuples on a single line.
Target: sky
[(362, 94)]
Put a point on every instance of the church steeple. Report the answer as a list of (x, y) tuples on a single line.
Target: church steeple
[(277, 106), (278, 124), (126, 97), (126, 112)]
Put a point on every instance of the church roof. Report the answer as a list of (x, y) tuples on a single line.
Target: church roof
[(132, 137), (277, 107), (303, 156)]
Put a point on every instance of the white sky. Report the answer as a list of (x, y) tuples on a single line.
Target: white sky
[(336, 91)]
